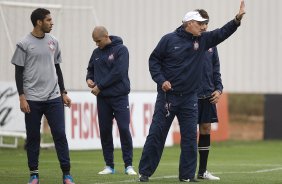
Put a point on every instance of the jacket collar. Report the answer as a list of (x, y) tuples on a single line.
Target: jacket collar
[(181, 32)]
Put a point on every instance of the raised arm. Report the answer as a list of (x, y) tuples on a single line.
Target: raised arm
[(217, 36)]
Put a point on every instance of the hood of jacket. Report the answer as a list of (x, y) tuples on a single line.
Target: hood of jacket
[(115, 41), (180, 31)]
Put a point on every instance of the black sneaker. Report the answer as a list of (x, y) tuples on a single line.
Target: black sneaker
[(188, 180), (143, 178)]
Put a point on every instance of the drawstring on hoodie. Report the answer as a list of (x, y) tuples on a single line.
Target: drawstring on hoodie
[(167, 106)]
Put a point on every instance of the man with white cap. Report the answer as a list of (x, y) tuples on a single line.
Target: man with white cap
[(176, 66)]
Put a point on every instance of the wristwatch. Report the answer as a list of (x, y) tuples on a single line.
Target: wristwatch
[(64, 92)]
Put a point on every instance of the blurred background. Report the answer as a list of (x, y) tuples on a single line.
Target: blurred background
[(250, 58)]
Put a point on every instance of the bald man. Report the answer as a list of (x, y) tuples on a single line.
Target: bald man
[(107, 77)]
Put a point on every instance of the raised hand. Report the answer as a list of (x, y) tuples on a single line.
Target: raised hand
[(241, 13)]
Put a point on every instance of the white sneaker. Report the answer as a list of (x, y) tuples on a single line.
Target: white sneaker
[(208, 176), (130, 171), (188, 180), (107, 170)]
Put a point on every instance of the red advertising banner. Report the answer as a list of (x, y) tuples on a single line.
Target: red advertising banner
[(220, 130), (82, 126)]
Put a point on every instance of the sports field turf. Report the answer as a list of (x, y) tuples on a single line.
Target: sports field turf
[(256, 162)]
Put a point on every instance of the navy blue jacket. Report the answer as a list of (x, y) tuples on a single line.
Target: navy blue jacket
[(108, 68), (178, 57), (211, 77)]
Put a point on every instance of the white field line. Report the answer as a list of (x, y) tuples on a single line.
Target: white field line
[(231, 164), (163, 164), (251, 172), (134, 180), (174, 176)]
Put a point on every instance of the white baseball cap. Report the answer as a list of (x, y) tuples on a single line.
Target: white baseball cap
[(193, 15)]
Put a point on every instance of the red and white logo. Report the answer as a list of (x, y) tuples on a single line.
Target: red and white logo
[(196, 45), (111, 57), (51, 45)]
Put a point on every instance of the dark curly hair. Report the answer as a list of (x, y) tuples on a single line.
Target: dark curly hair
[(203, 13), (38, 14)]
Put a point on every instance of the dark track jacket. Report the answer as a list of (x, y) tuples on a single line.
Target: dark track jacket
[(178, 57), (211, 77), (108, 68)]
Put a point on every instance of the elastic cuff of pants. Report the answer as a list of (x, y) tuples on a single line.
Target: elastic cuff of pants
[(111, 165), (33, 172), (65, 170), (33, 168), (126, 165), (201, 172)]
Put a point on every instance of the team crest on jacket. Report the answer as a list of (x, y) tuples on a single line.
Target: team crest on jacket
[(111, 57), (196, 45)]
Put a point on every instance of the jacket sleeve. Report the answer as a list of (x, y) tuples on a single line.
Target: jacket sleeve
[(60, 77), (90, 69), (119, 69), (19, 78), (217, 36), (155, 62), (216, 71)]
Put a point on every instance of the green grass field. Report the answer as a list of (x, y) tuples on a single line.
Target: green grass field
[(235, 162)]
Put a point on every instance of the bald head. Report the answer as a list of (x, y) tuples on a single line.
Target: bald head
[(101, 37), (99, 31)]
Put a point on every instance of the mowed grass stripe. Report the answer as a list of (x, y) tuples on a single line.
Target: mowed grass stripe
[(234, 161)]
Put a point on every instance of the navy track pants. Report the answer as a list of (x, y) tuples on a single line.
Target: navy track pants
[(184, 107), (108, 109), (54, 111)]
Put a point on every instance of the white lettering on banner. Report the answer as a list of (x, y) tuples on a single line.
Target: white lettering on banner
[(82, 126)]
